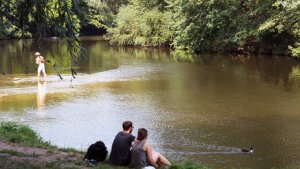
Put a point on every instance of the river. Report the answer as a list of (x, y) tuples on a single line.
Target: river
[(202, 110)]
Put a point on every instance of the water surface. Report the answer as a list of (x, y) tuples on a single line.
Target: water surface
[(200, 109)]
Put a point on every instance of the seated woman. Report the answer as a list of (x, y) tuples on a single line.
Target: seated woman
[(142, 154)]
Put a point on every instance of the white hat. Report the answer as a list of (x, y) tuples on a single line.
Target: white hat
[(37, 54)]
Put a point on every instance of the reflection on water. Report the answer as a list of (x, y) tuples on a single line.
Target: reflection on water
[(202, 109), (295, 73), (41, 94)]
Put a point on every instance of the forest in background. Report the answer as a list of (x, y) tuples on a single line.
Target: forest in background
[(199, 26)]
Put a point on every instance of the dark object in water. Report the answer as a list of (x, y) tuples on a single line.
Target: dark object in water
[(74, 74), (250, 150), (75, 62), (96, 152), (26, 69), (59, 75)]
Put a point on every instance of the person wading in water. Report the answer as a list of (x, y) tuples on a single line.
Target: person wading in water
[(41, 62)]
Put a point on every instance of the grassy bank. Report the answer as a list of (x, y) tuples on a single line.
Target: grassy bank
[(21, 134), (21, 147)]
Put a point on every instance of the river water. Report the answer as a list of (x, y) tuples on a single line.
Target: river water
[(202, 110)]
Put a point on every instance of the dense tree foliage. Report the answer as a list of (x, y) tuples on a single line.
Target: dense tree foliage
[(248, 26), (101, 13), (39, 18), (63, 18), (284, 24), (142, 22)]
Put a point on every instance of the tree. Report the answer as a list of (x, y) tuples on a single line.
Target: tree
[(142, 24), (101, 13), (40, 19), (285, 23)]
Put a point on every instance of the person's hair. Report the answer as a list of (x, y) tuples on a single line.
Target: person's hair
[(142, 134), (126, 125)]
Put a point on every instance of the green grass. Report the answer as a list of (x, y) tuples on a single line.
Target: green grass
[(187, 166), (12, 152), (16, 153), (16, 133), (106, 165), (70, 150)]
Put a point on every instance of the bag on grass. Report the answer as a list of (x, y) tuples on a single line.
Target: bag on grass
[(96, 152)]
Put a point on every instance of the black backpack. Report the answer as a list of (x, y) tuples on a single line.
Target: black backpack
[(96, 152)]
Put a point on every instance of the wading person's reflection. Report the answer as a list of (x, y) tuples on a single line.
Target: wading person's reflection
[(41, 94)]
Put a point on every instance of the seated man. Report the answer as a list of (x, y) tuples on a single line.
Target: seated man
[(120, 150)]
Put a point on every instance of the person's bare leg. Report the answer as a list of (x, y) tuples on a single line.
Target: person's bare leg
[(45, 75), (163, 160), (38, 76), (160, 159)]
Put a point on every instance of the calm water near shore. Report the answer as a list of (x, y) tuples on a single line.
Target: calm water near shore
[(201, 110)]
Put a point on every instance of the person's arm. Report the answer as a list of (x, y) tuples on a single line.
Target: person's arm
[(132, 139), (42, 60), (148, 150)]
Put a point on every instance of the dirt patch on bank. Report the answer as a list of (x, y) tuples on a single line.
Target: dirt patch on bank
[(39, 156)]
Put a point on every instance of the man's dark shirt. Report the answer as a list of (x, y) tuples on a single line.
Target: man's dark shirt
[(120, 150)]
